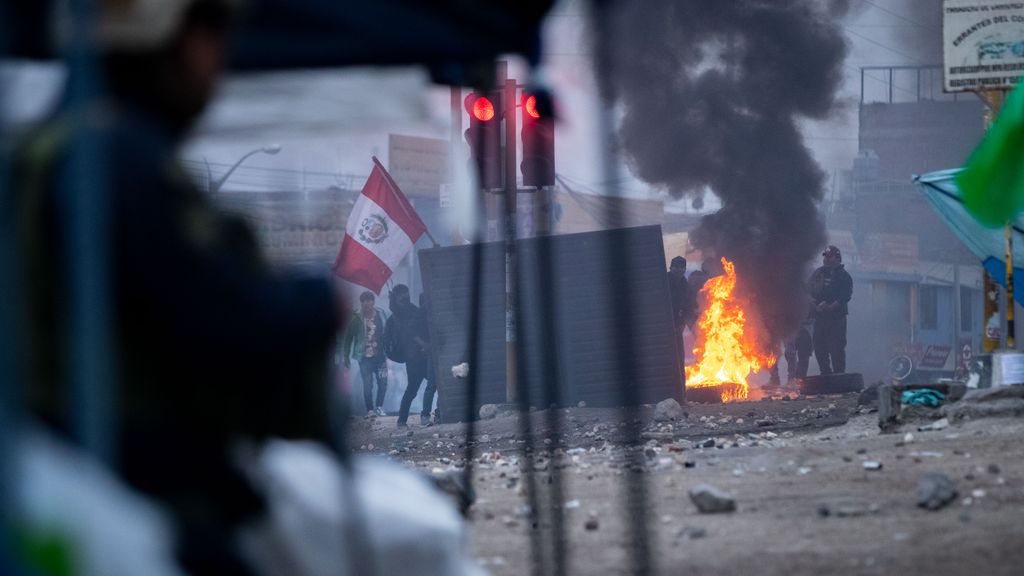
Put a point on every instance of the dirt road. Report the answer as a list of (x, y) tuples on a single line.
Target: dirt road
[(807, 502)]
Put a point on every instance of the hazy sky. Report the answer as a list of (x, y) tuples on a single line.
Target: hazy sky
[(333, 121)]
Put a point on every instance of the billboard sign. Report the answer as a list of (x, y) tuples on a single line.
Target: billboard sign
[(983, 44), (418, 165)]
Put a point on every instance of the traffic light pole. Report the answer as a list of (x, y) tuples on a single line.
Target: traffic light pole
[(509, 104)]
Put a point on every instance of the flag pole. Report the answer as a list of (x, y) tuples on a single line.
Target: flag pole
[(394, 186), (1011, 336)]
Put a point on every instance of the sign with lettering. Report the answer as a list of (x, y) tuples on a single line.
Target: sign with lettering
[(935, 357), (983, 44)]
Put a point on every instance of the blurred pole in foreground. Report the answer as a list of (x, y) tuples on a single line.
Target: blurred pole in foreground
[(88, 245), (634, 487)]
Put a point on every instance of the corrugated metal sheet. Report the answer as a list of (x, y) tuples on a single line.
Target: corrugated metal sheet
[(592, 362)]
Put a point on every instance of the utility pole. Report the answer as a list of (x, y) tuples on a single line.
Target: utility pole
[(508, 99)]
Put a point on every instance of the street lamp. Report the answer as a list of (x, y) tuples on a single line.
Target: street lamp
[(214, 187)]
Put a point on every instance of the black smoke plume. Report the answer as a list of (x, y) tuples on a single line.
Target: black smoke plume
[(712, 92)]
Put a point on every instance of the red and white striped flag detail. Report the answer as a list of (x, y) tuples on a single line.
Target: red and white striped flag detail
[(382, 228)]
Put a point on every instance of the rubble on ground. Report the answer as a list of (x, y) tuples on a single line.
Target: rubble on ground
[(668, 410), (987, 402), (711, 500), (935, 491)]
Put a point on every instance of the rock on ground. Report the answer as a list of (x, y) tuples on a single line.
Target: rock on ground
[(935, 490), (667, 410), (453, 484), (488, 411), (869, 396), (711, 500)]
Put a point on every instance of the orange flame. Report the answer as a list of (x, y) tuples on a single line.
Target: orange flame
[(726, 351)]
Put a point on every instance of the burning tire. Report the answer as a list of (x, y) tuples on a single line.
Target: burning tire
[(832, 384), (712, 394)]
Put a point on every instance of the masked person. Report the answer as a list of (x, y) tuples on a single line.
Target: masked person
[(831, 288), (209, 345), (407, 342)]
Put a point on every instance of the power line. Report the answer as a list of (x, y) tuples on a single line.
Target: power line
[(899, 16), (883, 46)]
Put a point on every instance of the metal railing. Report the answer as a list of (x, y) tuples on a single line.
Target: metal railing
[(898, 84)]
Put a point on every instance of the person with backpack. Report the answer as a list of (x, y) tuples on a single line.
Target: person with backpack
[(407, 342)]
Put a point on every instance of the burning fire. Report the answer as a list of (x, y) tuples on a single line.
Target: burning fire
[(726, 349)]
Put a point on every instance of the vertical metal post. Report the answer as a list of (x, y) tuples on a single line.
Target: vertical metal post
[(862, 86), (84, 193), (10, 399), (509, 104), (542, 211), (1011, 340), (453, 148), (635, 502), (957, 315), (990, 341)]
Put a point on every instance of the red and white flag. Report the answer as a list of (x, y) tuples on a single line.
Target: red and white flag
[(381, 230)]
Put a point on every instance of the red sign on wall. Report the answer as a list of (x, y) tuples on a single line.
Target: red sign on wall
[(935, 357)]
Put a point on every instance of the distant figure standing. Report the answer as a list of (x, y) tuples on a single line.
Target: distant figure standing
[(682, 299), (407, 341), (831, 288), (364, 339), (797, 352)]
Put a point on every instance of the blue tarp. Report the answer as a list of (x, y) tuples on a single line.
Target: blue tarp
[(988, 244)]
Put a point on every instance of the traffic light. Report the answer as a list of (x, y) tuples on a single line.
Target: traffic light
[(538, 134), (484, 137)]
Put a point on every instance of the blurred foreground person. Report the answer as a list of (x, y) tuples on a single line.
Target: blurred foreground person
[(364, 339), (210, 345)]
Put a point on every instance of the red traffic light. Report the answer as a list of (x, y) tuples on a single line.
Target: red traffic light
[(484, 137), (480, 107), (538, 133), (531, 106)]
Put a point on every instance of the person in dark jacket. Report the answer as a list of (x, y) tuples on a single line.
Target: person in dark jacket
[(679, 291), (364, 339), (682, 300), (407, 341), (797, 352), (209, 345), (831, 288)]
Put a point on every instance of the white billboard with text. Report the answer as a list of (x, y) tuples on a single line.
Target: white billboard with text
[(983, 44)]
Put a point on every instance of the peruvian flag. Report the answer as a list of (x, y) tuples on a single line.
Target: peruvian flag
[(381, 230)]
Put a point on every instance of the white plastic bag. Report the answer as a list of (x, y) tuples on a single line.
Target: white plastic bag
[(400, 524), (63, 494)]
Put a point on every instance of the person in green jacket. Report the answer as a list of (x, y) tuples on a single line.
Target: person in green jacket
[(364, 339)]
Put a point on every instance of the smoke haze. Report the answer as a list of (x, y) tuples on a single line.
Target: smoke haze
[(711, 93)]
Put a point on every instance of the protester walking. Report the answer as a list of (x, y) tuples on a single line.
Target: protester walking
[(364, 340)]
